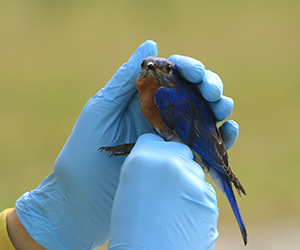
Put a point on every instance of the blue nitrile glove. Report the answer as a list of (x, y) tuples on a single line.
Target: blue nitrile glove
[(71, 208), (162, 201)]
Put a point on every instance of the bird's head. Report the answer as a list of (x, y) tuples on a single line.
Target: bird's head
[(161, 69)]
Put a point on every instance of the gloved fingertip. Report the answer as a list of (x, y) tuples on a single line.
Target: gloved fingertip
[(174, 58), (121, 86), (149, 137), (149, 48), (211, 87), (222, 108), (190, 68), (230, 132)]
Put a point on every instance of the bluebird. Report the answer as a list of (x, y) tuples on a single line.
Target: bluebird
[(176, 110)]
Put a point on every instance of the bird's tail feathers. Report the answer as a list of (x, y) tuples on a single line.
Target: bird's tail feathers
[(224, 185)]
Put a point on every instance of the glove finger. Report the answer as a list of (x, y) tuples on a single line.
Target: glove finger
[(149, 137), (190, 68), (151, 142), (222, 108), (230, 132), (117, 93), (211, 86)]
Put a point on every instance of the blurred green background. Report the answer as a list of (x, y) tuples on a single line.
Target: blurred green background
[(54, 55)]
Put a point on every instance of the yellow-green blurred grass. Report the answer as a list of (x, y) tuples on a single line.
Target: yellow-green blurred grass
[(55, 55)]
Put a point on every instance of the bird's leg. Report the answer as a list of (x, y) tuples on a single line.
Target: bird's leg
[(118, 150)]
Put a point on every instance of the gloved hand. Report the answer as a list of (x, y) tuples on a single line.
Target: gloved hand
[(71, 208), (162, 201)]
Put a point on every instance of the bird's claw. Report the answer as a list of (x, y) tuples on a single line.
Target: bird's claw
[(118, 150)]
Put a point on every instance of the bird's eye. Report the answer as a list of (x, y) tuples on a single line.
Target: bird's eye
[(143, 63), (168, 67)]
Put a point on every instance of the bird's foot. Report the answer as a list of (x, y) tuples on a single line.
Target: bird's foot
[(118, 150)]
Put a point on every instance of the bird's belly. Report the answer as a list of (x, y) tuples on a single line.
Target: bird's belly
[(152, 115)]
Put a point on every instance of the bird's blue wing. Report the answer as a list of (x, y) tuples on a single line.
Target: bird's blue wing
[(192, 121), (169, 104)]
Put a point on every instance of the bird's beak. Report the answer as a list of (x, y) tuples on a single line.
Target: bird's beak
[(151, 66)]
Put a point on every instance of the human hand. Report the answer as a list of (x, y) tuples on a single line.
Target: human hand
[(71, 208), (162, 200)]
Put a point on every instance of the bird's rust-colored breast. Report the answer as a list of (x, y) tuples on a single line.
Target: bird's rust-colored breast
[(147, 88)]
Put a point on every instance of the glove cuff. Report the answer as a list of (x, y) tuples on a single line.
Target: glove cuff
[(5, 242)]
